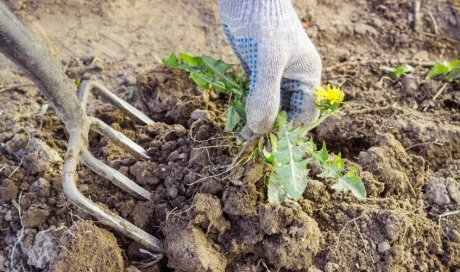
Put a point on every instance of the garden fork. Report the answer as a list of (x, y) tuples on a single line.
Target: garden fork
[(19, 45)]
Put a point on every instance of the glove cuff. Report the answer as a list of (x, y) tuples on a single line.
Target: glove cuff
[(256, 10)]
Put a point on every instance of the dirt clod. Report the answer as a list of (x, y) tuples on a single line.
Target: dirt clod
[(88, 248), (8, 190), (294, 238), (188, 249)]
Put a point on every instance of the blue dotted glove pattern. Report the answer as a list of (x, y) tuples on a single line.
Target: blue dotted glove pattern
[(246, 50), (292, 97)]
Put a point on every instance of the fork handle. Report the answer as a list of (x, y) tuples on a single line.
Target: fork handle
[(20, 46)]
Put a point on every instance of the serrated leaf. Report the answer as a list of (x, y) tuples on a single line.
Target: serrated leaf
[(172, 61), (323, 153), (439, 69), (351, 182), (310, 146), (290, 169)]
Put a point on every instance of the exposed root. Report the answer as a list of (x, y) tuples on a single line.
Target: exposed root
[(440, 91), (154, 259), (238, 163), (447, 214)]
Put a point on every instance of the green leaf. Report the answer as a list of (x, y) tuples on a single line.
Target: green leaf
[(131, 95), (294, 176), (454, 64), (276, 192), (190, 60), (269, 157), (172, 61), (239, 108), (388, 69), (274, 142), (233, 119), (281, 120), (453, 75), (351, 182), (333, 169), (439, 69), (200, 80), (290, 170), (398, 72), (219, 68), (209, 73)]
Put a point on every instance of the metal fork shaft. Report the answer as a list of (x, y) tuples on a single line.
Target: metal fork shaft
[(19, 45)]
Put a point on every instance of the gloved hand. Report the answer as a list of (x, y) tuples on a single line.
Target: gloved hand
[(277, 56)]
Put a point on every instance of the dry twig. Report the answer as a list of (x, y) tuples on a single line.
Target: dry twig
[(443, 87), (14, 86), (416, 15)]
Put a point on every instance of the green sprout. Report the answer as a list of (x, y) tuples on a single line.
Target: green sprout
[(398, 72), (209, 73), (131, 95), (449, 70), (78, 82)]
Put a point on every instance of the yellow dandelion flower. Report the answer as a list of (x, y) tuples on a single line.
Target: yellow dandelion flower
[(332, 95)]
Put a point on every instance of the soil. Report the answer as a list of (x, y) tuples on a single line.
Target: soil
[(404, 143)]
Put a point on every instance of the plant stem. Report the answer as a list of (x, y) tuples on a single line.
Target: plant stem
[(313, 125)]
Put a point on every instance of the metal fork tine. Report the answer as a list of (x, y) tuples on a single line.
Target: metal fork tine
[(119, 138), (88, 86), (104, 215), (114, 176)]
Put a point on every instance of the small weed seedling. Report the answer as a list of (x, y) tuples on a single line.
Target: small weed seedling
[(290, 151), (449, 71), (396, 73), (209, 73)]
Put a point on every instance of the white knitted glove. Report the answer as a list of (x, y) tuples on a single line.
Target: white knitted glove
[(277, 56)]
